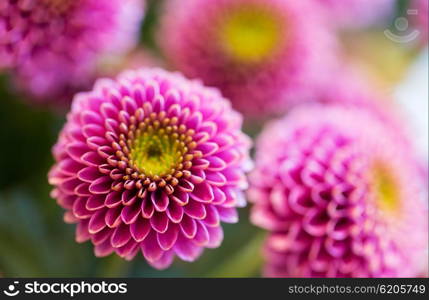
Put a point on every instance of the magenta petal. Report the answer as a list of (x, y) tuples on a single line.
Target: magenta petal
[(160, 200), (203, 192), (103, 249), (147, 208), (219, 196), (79, 209), (140, 229), (159, 222), (175, 212), (130, 213), (88, 174), (216, 164), (208, 148), (113, 199), (189, 227), (150, 248), (182, 198), (100, 185), (200, 163), (82, 234), (128, 197), (76, 150), (95, 202), (120, 236), (166, 240), (128, 250), (212, 217), (187, 250), (69, 166), (195, 210), (83, 189), (202, 237), (227, 214), (216, 236), (186, 186), (164, 261), (97, 223), (315, 222), (101, 236), (216, 178), (113, 217)]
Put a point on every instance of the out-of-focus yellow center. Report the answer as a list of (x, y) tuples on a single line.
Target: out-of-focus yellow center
[(385, 188), (250, 34)]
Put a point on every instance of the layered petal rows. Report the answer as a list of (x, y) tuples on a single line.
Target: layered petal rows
[(341, 196), (54, 46), (261, 54), (150, 162)]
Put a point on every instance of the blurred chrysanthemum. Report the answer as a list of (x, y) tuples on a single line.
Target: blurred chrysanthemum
[(357, 13), (150, 162), (420, 19), (263, 55), (53, 46), (340, 195)]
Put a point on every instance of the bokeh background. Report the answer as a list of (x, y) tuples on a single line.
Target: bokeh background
[(34, 240)]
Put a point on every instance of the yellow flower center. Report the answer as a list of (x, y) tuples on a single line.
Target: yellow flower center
[(385, 188), (250, 34), (156, 152)]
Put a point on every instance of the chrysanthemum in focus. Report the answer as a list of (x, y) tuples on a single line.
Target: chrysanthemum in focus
[(150, 162), (53, 46), (357, 13), (340, 195), (263, 55)]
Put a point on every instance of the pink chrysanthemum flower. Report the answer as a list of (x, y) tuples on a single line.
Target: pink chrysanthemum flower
[(263, 55), (357, 13), (150, 162), (53, 46), (340, 195)]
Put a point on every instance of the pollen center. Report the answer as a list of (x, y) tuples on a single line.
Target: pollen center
[(155, 152), (385, 188), (250, 34)]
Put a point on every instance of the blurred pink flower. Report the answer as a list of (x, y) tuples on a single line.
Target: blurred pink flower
[(357, 13), (150, 162), (420, 20), (264, 55), (53, 46), (340, 195)]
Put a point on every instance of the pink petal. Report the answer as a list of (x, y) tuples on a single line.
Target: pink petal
[(120, 236), (203, 192), (97, 223), (168, 239), (159, 222), (101, 185), (150, 248), (140, 229), (189, 227)]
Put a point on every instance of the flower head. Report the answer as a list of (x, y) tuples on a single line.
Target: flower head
[(261, 54), (150, 162), (53, 46), (341, 196)]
